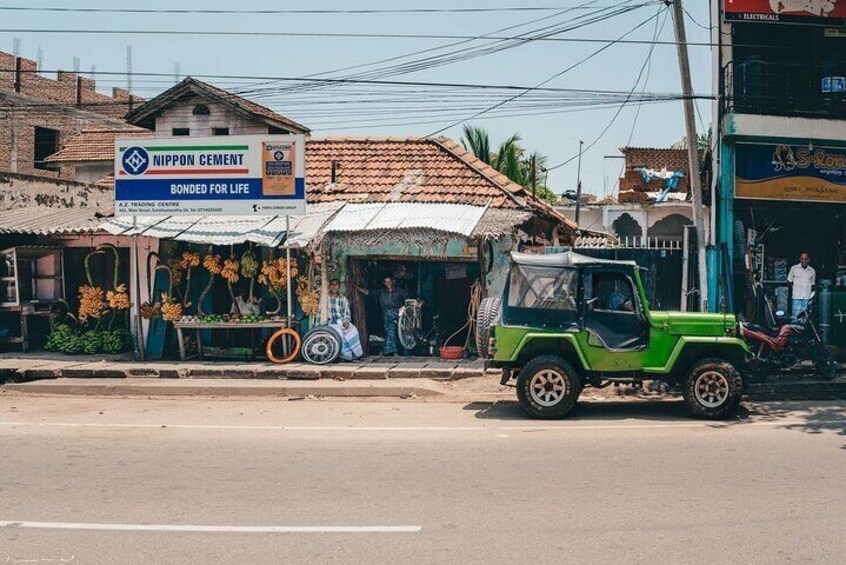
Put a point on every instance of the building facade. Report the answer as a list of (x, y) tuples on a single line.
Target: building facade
[(40, 113), (780, 122)]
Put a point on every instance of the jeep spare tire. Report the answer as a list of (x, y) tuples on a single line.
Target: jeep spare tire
[(548, 387), (712, 389), (486, 319)]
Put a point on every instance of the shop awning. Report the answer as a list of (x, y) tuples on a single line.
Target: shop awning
[(457, 219), (42, 220), (230, 230)]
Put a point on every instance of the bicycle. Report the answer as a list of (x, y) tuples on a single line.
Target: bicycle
[(410, 327)]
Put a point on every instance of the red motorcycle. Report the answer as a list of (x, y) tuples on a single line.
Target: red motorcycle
[(788, 346)]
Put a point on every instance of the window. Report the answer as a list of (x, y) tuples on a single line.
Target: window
[(181, 132), (201, 110), (273, 130), (542, 287), (542, 296), (220, 131), (611, 292), (46, 143)]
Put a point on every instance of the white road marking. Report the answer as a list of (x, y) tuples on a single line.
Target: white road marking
[(531, 428), (212, 529)]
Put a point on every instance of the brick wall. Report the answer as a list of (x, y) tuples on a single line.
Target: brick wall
[(632, 187), (67, 104)]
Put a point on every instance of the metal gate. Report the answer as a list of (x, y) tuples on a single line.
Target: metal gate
[(663, 262)]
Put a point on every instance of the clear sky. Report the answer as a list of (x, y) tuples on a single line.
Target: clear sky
[(376, 109)]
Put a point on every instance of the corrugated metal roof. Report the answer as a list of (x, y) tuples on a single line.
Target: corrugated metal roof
[(450, 218), (42, 220), (230, 230)]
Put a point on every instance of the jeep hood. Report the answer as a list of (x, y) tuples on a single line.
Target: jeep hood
[(695, 323)]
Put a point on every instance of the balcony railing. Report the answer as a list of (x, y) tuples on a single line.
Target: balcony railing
[(754, 86)]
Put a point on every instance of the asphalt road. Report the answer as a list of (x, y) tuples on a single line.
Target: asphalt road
[(90, 481)]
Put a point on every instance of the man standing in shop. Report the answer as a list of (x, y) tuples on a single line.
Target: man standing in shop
[(390, 299), (802, 279)]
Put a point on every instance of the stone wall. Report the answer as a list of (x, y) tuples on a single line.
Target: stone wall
[(18, 191)]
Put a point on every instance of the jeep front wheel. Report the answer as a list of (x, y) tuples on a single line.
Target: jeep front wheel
[(712, 389), (548, 387)]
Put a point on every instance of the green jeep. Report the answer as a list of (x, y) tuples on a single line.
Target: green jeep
[(567, 321)]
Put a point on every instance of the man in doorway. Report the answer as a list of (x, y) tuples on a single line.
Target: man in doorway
[(802, 279), (390, 299), (341, 320)]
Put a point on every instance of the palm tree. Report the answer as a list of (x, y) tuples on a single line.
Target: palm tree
[(510, 159), (476, 141), (703, 141)]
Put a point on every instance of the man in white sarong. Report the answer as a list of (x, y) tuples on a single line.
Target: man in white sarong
[(340, 320)]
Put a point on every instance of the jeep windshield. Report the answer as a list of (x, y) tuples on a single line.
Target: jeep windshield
[(545, 296)]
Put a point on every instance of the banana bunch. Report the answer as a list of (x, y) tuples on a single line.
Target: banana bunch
[(118, 299), (273, 273), (230, 270), (171, 309), (74, 345), (212, 263), (176, 272), (115, 341), (91, 302), (61, 334), (308, 296), (150, 311), (92, 341), (249, 265), (189, 260)]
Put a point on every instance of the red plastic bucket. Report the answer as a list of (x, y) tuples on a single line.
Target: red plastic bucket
[(452, 352)]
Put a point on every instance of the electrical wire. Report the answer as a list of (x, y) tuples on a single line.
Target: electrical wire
[(543, 82), (614, 118), (312, 11)]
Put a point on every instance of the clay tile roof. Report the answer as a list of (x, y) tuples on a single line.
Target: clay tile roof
[(94, 145), (205, 90), (411, 169)]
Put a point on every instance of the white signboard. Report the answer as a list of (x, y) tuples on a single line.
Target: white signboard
[(232, 175)]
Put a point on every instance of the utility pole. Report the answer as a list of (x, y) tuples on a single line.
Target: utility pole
[(579, 184), (692, 147)]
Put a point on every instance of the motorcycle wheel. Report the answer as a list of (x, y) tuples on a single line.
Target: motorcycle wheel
[(824, 362)]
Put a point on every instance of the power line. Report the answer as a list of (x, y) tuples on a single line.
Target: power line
[(169, 76), (467, 53), (616, 114), (545, 81), (707, 44), (312, 11)]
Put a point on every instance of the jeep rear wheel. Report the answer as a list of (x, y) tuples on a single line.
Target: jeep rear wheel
[(548, 387), (712, 389)]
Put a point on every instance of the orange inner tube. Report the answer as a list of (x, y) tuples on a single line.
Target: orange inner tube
[(278, 335)]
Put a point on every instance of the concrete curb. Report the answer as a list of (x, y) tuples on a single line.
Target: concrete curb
[(279, 390)]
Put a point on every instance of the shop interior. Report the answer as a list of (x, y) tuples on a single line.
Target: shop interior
[(770, 236), (444, 287)]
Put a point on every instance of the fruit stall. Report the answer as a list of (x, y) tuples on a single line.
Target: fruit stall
[(224, 301)]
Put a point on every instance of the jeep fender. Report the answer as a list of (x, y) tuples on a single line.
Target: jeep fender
[(691, 349), (563, 344)]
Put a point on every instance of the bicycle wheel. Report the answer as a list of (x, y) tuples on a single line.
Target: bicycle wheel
[(283, 346), (406, 328)]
